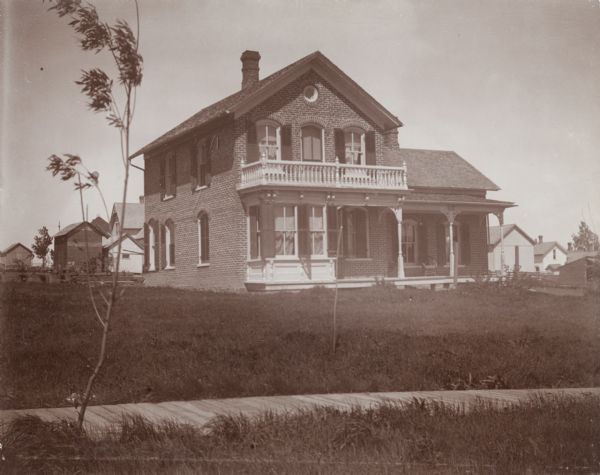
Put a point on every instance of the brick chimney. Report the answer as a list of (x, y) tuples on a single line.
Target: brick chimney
[(250, 68), (540, 239)]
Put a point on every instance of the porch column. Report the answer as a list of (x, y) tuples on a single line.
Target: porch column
[(500, 216), (398, 213), (450, 216)]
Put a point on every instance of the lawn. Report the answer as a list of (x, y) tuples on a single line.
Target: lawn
[(169, 344), (552, 435)]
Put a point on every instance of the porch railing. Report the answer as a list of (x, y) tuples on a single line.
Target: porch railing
[(330, 175)]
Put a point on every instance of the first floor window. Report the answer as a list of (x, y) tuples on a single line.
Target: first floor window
[(285, 230), (152, 247), (355, 233), (169, 244), (311, 228), (203, 254), (409, 242), (254, 230), (332, 230)]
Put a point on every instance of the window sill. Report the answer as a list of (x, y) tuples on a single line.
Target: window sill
[(203, 264), (169, 268), (168, 197), (357, 259), (199, 188)]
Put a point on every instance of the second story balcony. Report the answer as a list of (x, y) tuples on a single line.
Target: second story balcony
[(321, 175)]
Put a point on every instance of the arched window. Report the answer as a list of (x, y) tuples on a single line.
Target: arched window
[(268, 136), (409, 241), (355, 232), (169, 244), (354, 140), (203, 249), (152, 247), (312, 144)]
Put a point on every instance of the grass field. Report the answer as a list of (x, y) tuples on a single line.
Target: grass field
[(169, 344), (552, 435)]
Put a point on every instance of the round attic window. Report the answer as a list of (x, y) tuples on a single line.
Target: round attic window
[(311, 93)]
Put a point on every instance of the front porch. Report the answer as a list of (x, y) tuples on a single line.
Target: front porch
[(424, 282)]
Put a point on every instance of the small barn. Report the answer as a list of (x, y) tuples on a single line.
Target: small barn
[(518, 249), (15, 255), (70, 247), (583, 273)]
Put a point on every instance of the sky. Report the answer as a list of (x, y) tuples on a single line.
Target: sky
[(512, 86)]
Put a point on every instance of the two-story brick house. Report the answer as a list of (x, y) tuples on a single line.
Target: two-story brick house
[(298, 180)]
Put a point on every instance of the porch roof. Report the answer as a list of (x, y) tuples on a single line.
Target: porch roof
[(452, 198)]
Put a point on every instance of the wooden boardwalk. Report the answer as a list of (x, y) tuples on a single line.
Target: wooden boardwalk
[(198, 413)]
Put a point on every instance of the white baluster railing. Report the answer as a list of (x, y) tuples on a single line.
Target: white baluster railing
[(329, 175)]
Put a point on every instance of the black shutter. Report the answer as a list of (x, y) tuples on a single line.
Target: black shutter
[(286, 143), (161, 178), (194, 164), (303, 232), (332, 230), (340, 145), (267, 231), (370, 148), (163, 251), (210, 151), (146, 248), (465, 244), (254, 237), (173, 173), (251, 145), (172, 244)]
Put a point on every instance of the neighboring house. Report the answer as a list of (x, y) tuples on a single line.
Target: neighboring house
[(70, 247), (261, 189), (15, 255), (518, 249), (576, 255), (580, 272), (132, 248), (549, 256)]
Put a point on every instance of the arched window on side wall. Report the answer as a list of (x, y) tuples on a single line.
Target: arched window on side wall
[(203, 239), (152, 251), (169, 244)]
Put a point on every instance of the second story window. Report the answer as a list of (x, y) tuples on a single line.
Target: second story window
[(354, 146), (268, 139), (312, 144), (200, 164), (168, 176)]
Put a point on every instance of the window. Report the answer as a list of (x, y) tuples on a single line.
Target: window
[(312, 148), (169, 244), (152, 247), (168, 176), (554, 254), (332, 230), (311, 229), (311, 93), (125, 256), (285, 230), (268, 137), (354, 140), (203, 254), (355, 233), (254, 232), (200, 161), (409, 241)]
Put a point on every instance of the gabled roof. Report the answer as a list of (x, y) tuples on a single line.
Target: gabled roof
[(134, 215), (543, 248), (101, 223), (243, 100), (573, 256), (14, 245), (126, 237), (441, 169), (508, 228), (73, 227)]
